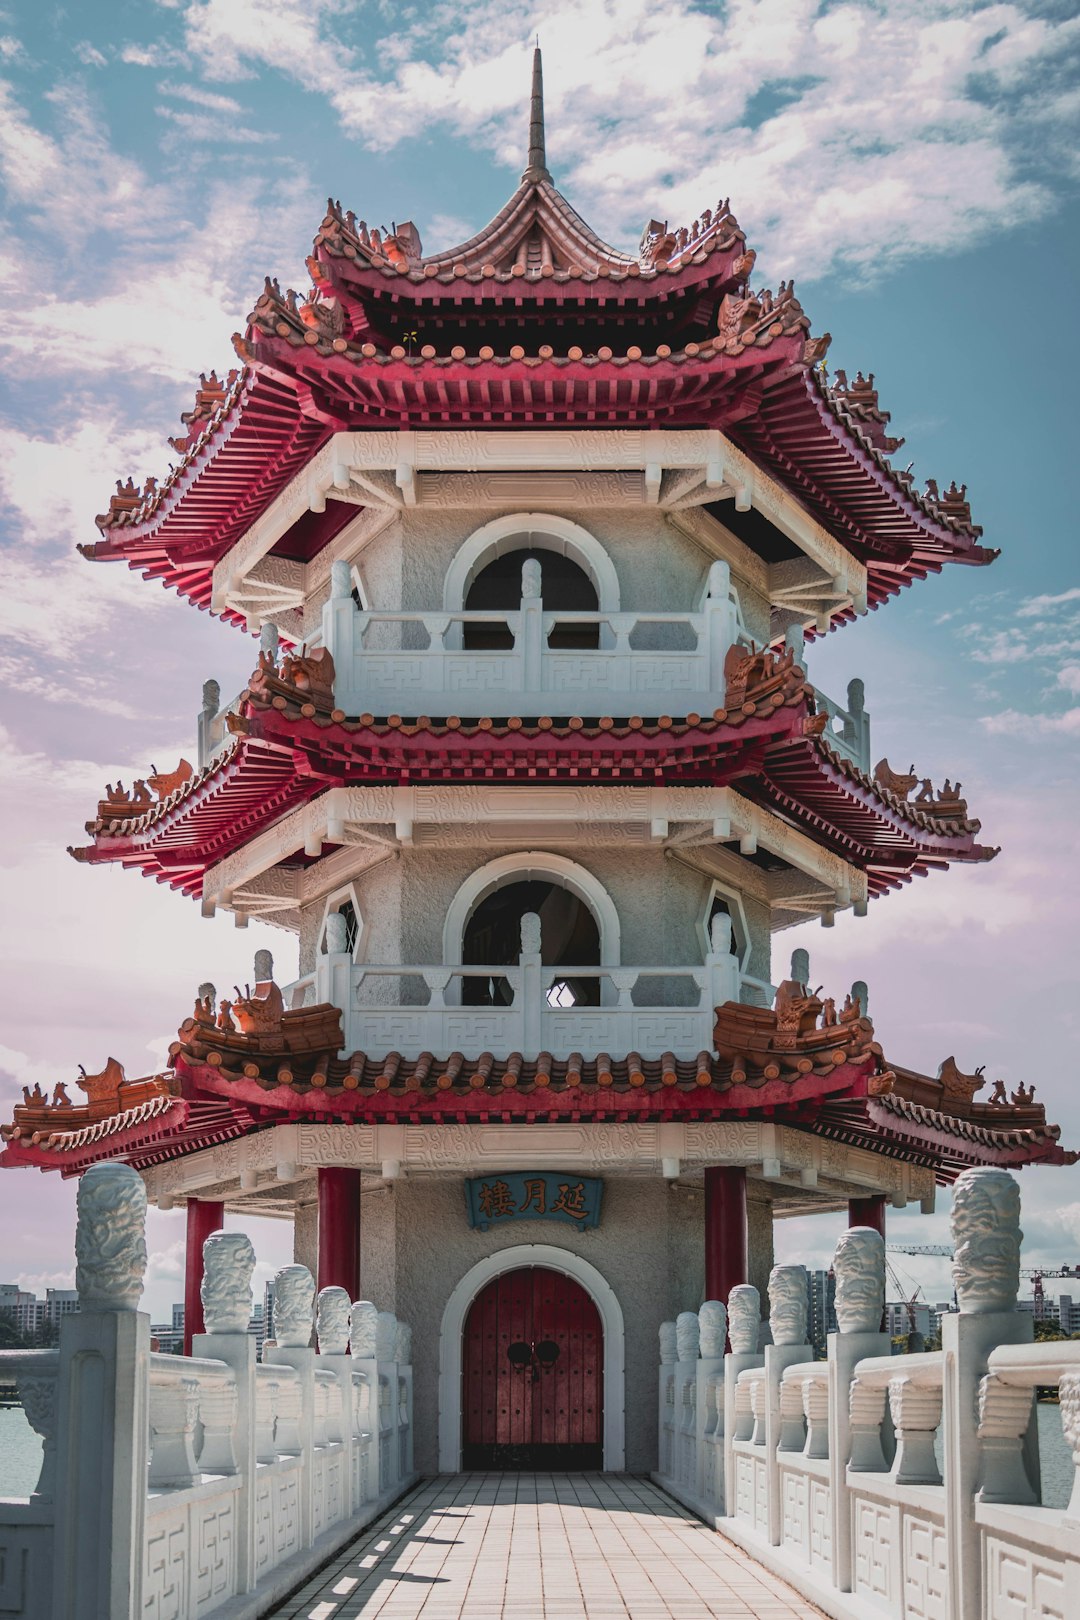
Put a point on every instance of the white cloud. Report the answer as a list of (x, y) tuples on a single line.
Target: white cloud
[(858, 134), (1068, 676), (1013, 723), (193, 93), (1043, 604), (89, 55), (999, 646)]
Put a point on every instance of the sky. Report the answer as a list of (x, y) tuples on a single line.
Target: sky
[(912, 163)]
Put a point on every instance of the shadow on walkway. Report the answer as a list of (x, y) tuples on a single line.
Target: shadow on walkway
[(537, 1546)]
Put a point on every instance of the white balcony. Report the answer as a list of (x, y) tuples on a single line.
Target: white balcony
[(423, 663), (528, 1007)]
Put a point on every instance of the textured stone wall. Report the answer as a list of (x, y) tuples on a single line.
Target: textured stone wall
[(660, 904), (416, 1246)]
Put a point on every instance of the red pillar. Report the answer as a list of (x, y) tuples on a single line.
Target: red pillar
[(868, 1212), (339, 1229), (725, 1230), (204, 1217)]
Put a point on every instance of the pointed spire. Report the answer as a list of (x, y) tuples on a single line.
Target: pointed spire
[(537, 169)]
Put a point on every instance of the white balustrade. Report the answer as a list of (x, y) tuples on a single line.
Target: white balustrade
[(421, 1007), (892, 1485), (192, 1484), (420, 663), (847, 730)]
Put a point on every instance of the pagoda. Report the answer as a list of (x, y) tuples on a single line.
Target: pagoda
[(534, 534)]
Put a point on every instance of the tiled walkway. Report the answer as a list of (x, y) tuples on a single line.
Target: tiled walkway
[(541, 1546)]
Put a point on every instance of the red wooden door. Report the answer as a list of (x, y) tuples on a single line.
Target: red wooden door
[(533, 1374)]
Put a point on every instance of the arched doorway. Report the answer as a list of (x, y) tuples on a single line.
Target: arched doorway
[(565, 587), (533, 1374), (569, 933)]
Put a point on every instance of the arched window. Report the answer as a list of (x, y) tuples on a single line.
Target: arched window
[(565, 587), (569, 935)]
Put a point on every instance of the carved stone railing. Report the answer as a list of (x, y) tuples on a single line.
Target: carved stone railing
[(193, 1484), (420, 1007), (847, 730), (890, 1485), (420, 663)]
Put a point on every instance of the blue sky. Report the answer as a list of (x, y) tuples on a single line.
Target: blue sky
[(911, 162)]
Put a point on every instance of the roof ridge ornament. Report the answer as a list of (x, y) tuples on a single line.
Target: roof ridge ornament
[(537, 168)]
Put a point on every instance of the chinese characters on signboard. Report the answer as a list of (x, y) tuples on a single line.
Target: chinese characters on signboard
[(546, 1195)]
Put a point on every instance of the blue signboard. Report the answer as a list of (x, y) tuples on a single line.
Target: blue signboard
[(533, 1195)]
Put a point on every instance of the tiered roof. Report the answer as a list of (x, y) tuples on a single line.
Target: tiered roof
[(802, 1064), (289, 744), (533, 321)]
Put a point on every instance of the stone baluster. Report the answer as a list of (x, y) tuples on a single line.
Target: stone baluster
[(859, 1268), (363, 1325), (208, 724), (530, 645), (743, 1410), (759, 1407), (36, 1377), (986, 1236), (1069, 1396), (867, 1405), (792, 1434), (720, 627), (744, 1335), (218, 1413), (788, 1310), (289, 1399), (266, 1406), (229, 1435), (915, 1408), (340, 627), (1004, 1420), (332, 1325), (815, 1399), (174, 1412), (294, 1308), (103, 1419), (712, 1337), (857, 724), (530, 1010)]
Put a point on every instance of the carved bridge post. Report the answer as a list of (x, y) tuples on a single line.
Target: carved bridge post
[(986, 1272), (102, 1415)]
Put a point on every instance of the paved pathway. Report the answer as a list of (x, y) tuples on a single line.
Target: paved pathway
[(542, 1547)]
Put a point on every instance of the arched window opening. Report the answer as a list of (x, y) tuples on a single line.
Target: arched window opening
[(565, 587), (569, 934)]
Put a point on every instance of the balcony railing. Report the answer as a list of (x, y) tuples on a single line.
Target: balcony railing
[(421, 663), (414, 1008), (848, 730)]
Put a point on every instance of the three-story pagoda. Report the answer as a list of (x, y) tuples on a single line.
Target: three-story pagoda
[(533, 533)]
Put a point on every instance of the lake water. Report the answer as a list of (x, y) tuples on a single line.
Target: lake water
[(20, 1455)]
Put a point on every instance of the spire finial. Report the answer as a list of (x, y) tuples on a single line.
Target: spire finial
[(537, 168)]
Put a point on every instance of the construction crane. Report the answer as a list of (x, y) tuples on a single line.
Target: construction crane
[(1036, 1273)]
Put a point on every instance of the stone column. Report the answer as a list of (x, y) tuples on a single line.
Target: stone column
[(204, 1217), (986, 1238), (859, 1267), (228, 1267), (725, 1230), (339, 1229), (868, 1212), (103, 1423)]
